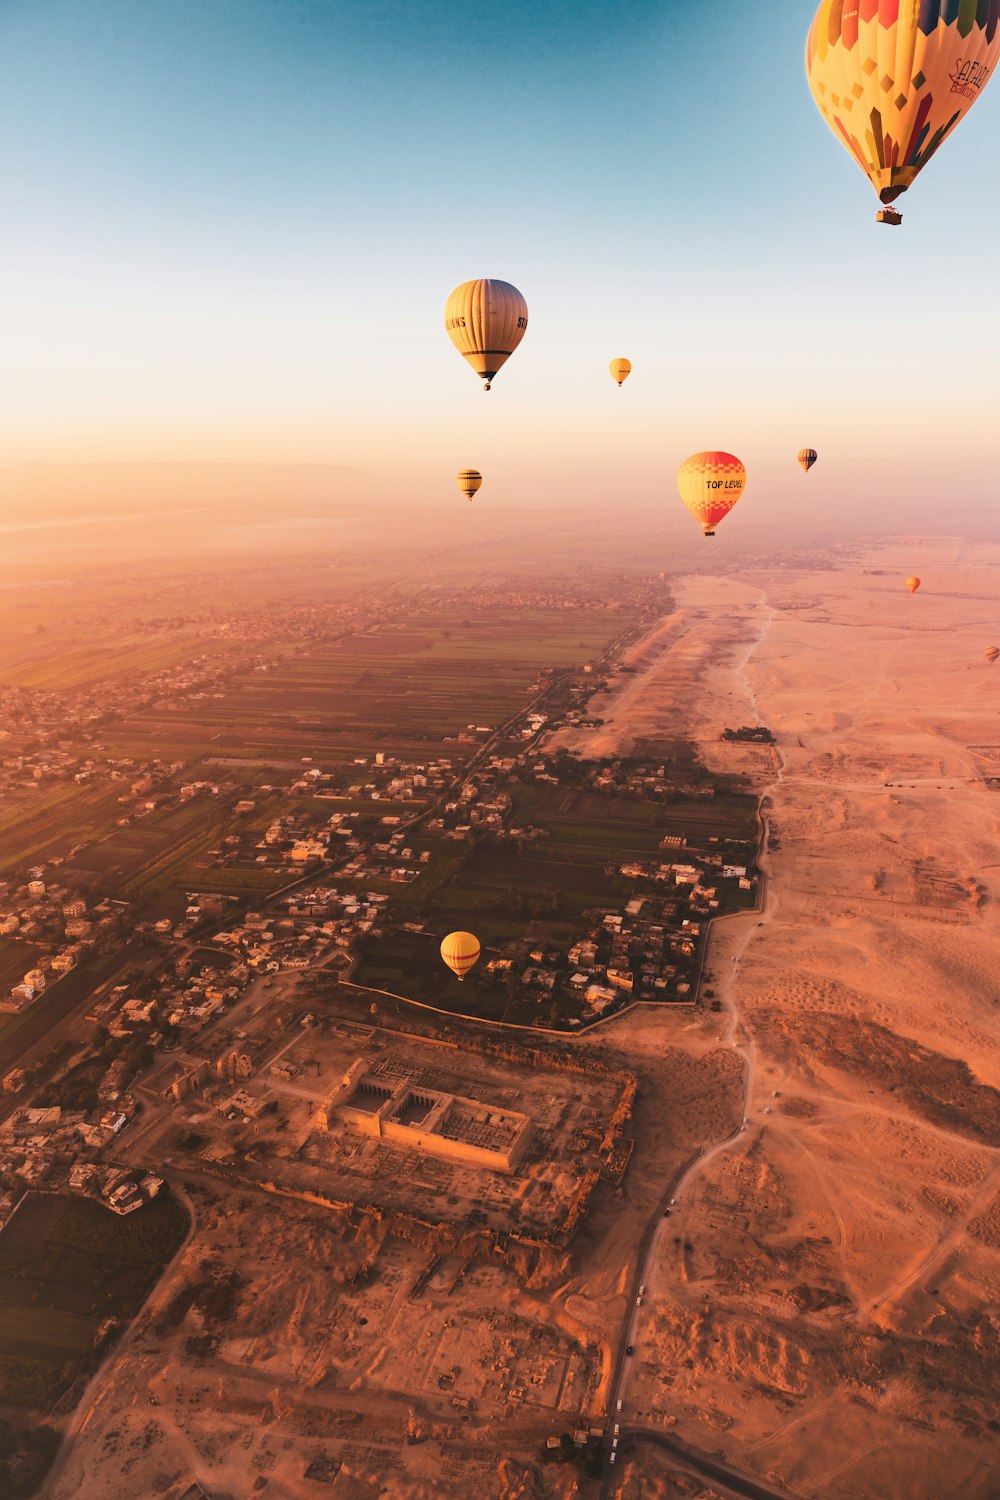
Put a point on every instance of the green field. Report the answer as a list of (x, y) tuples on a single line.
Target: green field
[(551, 890), (40, 822), (66, 1265), (407, 690), (156, 860), (15, 961), (54, 665)]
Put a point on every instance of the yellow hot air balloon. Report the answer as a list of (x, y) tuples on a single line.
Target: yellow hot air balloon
[(992, 653), (807, 458), (469, 481), (913, 584), (710, 485), (460, 951), (620, 370), (892, 79), (485, 320)]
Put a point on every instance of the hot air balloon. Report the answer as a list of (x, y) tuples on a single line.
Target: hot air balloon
[(807, 458), (620, 370), (892, 81), (913, 584), (710, 485), (469, 481), (992, 653), (485, 320), (460, 951)]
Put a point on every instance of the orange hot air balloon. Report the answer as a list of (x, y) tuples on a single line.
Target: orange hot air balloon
[(807, 458), (469, 481), (710, 485), (893, 80), (992, 653), (460, 951), (620, 370), (485, 320), (913, 584)]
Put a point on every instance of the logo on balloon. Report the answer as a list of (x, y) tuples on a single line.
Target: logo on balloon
[(969, 79)]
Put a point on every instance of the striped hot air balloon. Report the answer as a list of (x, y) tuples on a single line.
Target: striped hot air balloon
[(992, 653), (913, 584), (469, 481), (892, 78), (485, 320), (460, 951), (620, 371), (807, 458), (710, 485)]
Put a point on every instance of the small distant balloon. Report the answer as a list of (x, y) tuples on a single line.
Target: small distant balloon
[(807, 458), (710, 485), (620, 370), (486, 320), (469, 481), (991, 653), (913, 584), (460, 951)]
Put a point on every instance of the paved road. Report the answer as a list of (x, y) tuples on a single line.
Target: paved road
[(712, 1468)]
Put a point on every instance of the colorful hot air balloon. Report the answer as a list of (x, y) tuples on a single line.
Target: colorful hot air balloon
[(469, 481), (620, 370), (485, 321), (893, 80), (913, 584), (460, 950), (992, 653), (807, 458), (710, 485)]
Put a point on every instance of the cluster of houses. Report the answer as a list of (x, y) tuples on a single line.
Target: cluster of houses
[(56, 926), (57, 1149)]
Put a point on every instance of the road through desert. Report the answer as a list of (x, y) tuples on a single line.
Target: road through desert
[(827, 1305)]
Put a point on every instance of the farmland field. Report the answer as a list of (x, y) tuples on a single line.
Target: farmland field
[(48, 820), (409, 689), (66, 1265), (550, 890), (158, 858), (57, 666), (15, 960)]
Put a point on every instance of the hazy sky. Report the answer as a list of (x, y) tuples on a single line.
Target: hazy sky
[(230, 226)]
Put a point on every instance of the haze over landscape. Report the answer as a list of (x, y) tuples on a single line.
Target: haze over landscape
[(674, 1174)]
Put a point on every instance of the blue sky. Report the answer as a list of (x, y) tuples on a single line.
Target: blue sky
[(230, 227)]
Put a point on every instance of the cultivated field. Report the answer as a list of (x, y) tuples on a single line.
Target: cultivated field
[(405, 690), (43, 821), (67, 1265), (554, 889)]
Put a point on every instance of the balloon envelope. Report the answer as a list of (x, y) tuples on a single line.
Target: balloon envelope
[(460, 950), (913, 584), (991, 653), (893, 80), (710, 485), (485, 320), (620, 369), (469, 481), (807, 458)]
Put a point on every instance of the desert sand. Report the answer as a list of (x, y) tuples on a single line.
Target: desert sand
[(826, 1309)]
